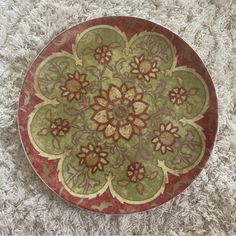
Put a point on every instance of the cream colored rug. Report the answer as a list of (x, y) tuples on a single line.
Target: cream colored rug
[(207, 207)]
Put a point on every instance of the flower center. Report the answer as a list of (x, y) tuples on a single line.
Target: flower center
[(92, 159), (120, 112), (167, 138), (145, 66), (73, 85)]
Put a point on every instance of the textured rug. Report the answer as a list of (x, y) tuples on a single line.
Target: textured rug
[(207, 207)]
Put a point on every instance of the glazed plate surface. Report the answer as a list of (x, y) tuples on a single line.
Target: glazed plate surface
[(117, 115)]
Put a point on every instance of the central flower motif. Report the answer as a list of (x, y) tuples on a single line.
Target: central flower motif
[(120, 112)]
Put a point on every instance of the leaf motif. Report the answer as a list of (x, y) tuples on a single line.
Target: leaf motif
[(49, 83), (189, 136), (122, 211), (189, 107), (62, 79), (71, 170), (102, 206), (193, 91), (70, 111), (87, 51), (76, 136), (90, 138), (152, 175), (131, 24), (73, 175), (192, 145), (140, 188), (142, 45), (80, 201), (114, 45), (26, 98), (48, 115), (168, 112), (181, 157), (43, 132), (153, 43), (93, 182), (56, 143), (94, 71), (178, 184), (119, 64), (177, 159), (160, 87), (63, 65), (180, 81), (50, 87), (62, 41), (98, 39), (58, 67), (155, 48), (93, 87), (123, 183), (112, 150), (46, 170)]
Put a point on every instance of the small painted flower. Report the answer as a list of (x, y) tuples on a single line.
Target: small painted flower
[(103, 54), (120, 112), (74, 86), (178, 95), (59, 127), (136, 172), (144, 68), (165, 137), (93, 157)]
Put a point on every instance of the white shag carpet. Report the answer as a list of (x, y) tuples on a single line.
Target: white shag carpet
[(207, 207)]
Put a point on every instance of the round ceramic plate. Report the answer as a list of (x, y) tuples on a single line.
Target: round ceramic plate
[(117, 115)]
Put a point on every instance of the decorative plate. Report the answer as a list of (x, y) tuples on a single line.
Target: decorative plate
[(117, 115)]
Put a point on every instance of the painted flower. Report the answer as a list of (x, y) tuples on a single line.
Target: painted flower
[(178, 95), (165, 137), (144, 68), (93, 157), (74, 86), (59, 127), (103, 54), (136, 172), (120, 112)]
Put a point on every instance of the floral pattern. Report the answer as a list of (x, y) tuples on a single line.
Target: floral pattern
[(56, 128), (74, 86), (59, 127), (92, 157), (144, 68), (165, 137), (120, 112), (103, 54), (136, 172), (117, 119), (178, 95)]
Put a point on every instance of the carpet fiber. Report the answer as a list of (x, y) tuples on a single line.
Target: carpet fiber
[(207, 207)]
